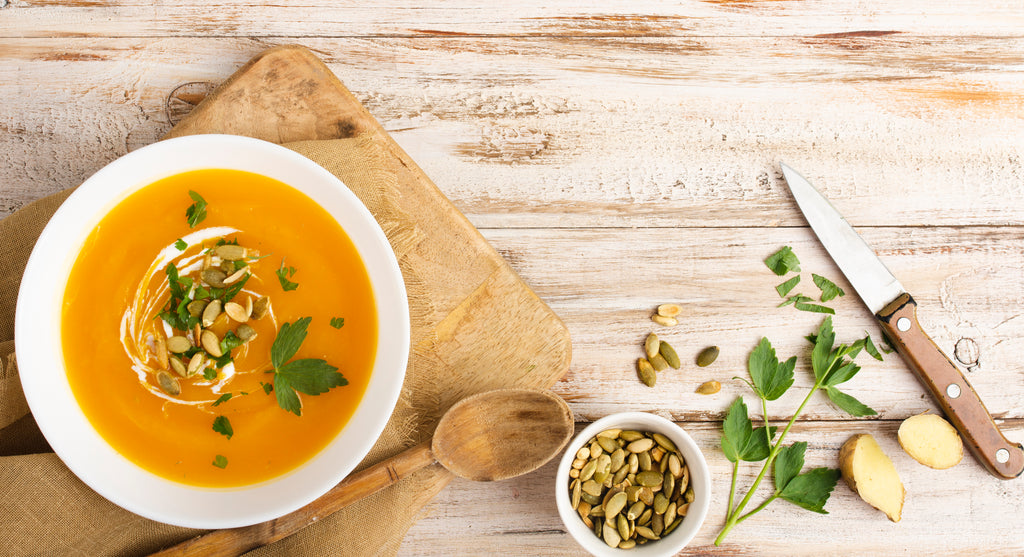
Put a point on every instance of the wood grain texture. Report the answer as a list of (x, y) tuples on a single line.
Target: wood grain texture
[(620, 155)]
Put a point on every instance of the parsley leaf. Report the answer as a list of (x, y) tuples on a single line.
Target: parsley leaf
[(196, 212), (814, 308), (783, 261), (829, 290), (233, 290), (337, 322), (812, 489), (848, 404), (267, 387), (788, 464), (220, 461), (740, 441), (795, 299), (282, 276), (181, 245), (871, 349), (229, 343), (210, 373), (785, 287), (223, 398), (771, 378), (308, 376), (223, 426)]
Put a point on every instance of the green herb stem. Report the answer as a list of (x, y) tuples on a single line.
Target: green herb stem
[(734, 516), (732, 488), (759, 507)]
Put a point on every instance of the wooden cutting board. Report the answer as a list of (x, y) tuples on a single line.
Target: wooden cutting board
[(485, 329)]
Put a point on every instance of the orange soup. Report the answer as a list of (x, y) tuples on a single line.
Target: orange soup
[(170, 318)]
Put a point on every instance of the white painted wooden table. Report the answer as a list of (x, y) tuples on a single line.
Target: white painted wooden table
[(624, 154)]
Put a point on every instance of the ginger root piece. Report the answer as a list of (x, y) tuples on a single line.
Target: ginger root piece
[(870, 474), (931, 440)]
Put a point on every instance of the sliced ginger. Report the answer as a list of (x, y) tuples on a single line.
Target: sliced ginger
[(870, 474), (931, 440)]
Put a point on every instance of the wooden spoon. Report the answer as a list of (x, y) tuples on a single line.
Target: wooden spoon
[(490, 436)]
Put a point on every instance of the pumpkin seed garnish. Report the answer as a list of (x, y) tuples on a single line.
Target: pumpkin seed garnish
[(260, 307), (214, 277), (168, 383), (235, 276), (211, 343), (178, 344), (236, 311), (707, 356), (210, 312), (160, 345), (230, 252), (245, 332), (645, 371), (196, 307), (177, 366), (196, 363)]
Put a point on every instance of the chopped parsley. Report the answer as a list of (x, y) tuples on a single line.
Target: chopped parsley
[(307, 376), (181, 245), (787, 286), (220, 461), (337, 322), (283, 273), (829, 290), (783, 261), (223, 398), (223, 426), (196, 212)]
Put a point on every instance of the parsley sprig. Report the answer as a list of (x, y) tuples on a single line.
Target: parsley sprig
[(307, 376), (196, 212), (770, 378)]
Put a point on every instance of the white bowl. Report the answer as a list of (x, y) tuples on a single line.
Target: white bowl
[(40, 361), (700, 479)]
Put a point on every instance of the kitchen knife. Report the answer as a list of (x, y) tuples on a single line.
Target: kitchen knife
[(896, 312)]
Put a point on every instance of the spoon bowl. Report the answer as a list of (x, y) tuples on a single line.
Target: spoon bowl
[(490, 436)]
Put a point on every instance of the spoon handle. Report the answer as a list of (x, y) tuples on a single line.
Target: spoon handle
[(235, 541)]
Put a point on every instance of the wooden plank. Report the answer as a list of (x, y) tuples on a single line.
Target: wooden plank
[(605, 284), (517, 134), (958, 511), (132, 18)]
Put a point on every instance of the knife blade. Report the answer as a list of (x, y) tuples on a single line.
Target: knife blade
[(896, 312)]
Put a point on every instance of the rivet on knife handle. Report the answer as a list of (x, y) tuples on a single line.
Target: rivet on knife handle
[(954, 394)]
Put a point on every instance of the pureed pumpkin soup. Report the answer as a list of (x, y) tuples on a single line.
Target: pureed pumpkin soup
[(218, 328)]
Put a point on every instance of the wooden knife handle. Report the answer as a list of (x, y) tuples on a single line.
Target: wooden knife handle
[(235, 541), (950, 388)]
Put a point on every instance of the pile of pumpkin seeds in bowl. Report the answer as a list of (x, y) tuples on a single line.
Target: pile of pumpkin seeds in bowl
[(630, 487)]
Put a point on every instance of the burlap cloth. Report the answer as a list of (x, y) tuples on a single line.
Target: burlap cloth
[(46, 510)]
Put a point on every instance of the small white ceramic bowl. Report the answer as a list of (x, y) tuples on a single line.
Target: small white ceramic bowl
[(700, 479), (40, 358)]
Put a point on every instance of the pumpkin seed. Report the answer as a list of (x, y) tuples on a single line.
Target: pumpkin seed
[(627, 544), (160, 346), (664, 442), (652, 345), (640, 445), (236, 311), (583, 453), (245, 332), (613, 433), (196, 363), (623, 527), (168, 383), (675, 467), (684, 479), (629, 435), (615, 505), (647, 533), (207, 261), (177, 366), (196, 307), (591, 487), (574, 473), (669, 310), (645, 461), (646, 372), (647, 495), (620, 476), (210, 312), (595, 450), (670, 513), (659, 363), (608, 444), (260, 307), (178, 344), (230, 252), (226, 266), (681, 510), (649, 479), (584, 509), (214, 277), (675, 523), (670, 355), (668, 483), (230, 279), (664, 321), (577, 492), (707, 356), (658, 524), (211, 343), (611, 535), (592, 499), (709, 388), (660, 503), (588, 470), (635, 510), (645, 518), (688, 496), (597, 511)]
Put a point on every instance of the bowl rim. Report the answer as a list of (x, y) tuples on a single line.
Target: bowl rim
[(62, 421), (700, 478)]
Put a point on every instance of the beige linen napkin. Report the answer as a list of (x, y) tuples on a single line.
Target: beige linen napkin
[(48, 511)]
